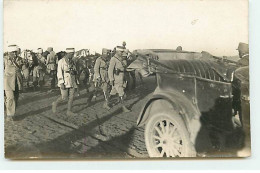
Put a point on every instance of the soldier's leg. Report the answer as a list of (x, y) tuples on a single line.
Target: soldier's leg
[(35, 79), (41, 76), (70, 102), (121, 94), (10, 103), (106, 95), (63, 97)]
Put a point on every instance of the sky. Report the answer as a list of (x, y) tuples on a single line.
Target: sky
[(216, 26)]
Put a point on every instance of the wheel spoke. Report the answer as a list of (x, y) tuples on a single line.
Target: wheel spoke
[(162, 153), (159, 131), (175, 151), (157, 137), (167, 127), (158, 145), (162, 127), (172, 131), (167, 151)]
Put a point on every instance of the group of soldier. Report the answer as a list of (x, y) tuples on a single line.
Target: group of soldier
[(109, 75)]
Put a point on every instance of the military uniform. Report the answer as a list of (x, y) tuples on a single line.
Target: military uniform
[(116, 71), (51, 63), (101, 75), (13, 82), (67, 78), (39, 71), (241, 79), (117, 65)]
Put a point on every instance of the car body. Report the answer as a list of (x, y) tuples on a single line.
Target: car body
[(194, 92)]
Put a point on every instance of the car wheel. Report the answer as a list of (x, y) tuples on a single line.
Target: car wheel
[(166, 136)]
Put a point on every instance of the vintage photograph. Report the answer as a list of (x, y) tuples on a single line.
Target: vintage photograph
[(117, 80)]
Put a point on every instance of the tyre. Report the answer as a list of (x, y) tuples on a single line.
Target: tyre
[(166, 136)]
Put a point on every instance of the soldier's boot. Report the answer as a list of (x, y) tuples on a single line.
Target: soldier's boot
[(34, 85), (124, 108), (41, 85), (55, 104), (69, 112)]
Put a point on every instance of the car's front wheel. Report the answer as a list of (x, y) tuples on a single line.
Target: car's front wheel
[(166, 136)]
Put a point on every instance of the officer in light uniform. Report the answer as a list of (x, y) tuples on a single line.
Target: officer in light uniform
[(241, 77), (13, 82), (116, 70), (67, 81), (39, 70), (101, 75), (51, 63)]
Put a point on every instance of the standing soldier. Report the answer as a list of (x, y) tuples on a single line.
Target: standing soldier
[(116, 72), (51, 63), (241, 80), (39, 70), (101, 75), (12, 80), (67, 81)]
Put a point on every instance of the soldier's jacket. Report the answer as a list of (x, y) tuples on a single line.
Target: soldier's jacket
[(244, 61), (100, 70), (116, 63), (41, 62), (12, 73), (51, 61), (65, 75)]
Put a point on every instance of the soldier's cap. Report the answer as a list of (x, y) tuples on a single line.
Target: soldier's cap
[(105, 51), (40, 50), (12, 48), (243, 47), (179, 48), (70, 50), (49, 49), (120, 48)]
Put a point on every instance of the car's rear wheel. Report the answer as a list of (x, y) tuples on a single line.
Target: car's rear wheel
[(166, 136)]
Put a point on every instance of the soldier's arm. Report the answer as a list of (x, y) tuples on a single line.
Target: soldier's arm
[(96, 68), (111, 70), (60, 73), (48, 59)]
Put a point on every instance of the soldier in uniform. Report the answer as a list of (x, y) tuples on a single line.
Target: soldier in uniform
[(116, 71), (241, 81), (67, 81), (51, 63), (101, 75), (12, 80), (39, 70)]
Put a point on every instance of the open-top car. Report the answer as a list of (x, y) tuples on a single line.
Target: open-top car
[(193, 95)]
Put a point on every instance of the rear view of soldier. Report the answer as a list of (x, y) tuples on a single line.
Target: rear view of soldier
[(51, 63)]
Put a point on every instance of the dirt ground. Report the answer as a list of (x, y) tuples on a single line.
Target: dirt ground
[(95, 133)]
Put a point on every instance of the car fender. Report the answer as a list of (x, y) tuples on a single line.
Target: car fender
[(188, 111)]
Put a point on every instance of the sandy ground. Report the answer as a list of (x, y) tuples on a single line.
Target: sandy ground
[(95, 133)]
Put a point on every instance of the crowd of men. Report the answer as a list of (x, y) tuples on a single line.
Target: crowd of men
[(109, 75)]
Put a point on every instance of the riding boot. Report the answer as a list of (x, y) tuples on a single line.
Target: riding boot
[(69, 112), (124, 108), (34, 85)]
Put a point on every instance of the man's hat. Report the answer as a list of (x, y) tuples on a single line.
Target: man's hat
[(40, 50), (70, 50), (49, 49), (120, 48), (179, 48), (105, 51), (12, 48), (243, 47)]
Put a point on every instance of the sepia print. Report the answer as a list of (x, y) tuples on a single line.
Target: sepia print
[(114, 79)]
